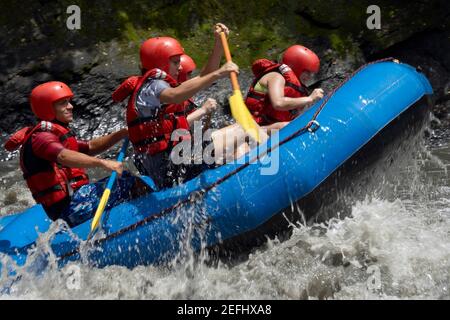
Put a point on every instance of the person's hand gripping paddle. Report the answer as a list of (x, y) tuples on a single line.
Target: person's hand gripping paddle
[(107, 192)]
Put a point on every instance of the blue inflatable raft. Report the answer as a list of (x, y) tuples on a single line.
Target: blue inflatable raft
[(238, 204)]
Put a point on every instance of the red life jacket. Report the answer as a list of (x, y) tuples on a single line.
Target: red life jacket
[(125, 89), (152, 134), (48, 182), (259, 103), (190, 106)]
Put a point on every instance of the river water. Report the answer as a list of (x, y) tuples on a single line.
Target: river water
[(395, 245)]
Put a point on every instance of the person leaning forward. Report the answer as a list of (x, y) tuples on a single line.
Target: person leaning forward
[(277, 94)]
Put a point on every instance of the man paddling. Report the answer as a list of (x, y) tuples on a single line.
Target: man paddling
[(53, 160)]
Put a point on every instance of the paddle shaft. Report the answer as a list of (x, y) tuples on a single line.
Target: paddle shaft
[(113, 176), (107, 192), (226, 49), (238, 108)]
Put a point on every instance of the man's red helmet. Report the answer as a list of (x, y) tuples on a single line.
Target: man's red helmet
[(45, 95), (187, 66), (156, 52)]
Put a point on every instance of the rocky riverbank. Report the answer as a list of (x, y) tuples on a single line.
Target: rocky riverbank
[(36, 46)]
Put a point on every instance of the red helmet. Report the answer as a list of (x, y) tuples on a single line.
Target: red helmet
[(301, 59), (187, 66), (156, 52), (44, 95)]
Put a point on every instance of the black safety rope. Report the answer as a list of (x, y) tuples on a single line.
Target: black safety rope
[(312, 126)]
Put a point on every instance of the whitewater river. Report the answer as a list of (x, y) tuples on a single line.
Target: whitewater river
[(395, 245)]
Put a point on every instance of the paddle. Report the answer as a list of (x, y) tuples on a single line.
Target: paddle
[(107, 192), (238, 108)]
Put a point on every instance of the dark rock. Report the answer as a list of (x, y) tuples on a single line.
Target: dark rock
[(94, 60), (429, 52), (10, 198)]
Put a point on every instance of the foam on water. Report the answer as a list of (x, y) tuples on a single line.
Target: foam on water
[(394, 245), (384, 251), (14, 194)]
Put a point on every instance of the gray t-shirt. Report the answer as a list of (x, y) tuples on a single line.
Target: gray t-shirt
[(147, 100)]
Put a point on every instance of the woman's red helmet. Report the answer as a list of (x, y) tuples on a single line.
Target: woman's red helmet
[(301, 59)]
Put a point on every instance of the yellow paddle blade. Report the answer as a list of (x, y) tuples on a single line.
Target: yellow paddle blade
[(242, 115), (100, 209)]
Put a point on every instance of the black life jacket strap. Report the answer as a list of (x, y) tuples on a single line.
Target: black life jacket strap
[(66, 136), (150, 140), (297, 88), (56, 187), (256, 96)]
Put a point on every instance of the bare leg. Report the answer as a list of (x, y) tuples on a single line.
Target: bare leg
[(225, 141), (230, 142), (241, 150), (245, 148)]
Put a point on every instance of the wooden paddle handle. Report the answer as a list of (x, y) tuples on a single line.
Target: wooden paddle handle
[(226, 50)]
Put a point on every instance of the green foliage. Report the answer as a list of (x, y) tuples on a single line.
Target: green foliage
[(259, 28)]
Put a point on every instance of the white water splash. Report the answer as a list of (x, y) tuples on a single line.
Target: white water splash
[(394, 245)]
